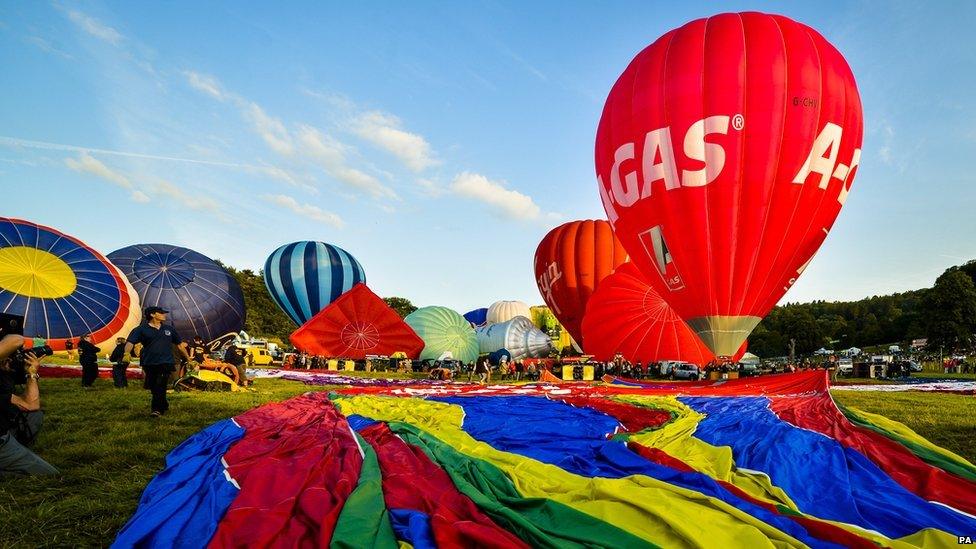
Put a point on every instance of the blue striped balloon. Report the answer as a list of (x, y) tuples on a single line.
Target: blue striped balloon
[(304, 277)]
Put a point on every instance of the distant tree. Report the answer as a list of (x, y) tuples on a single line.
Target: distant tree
[(950, 310), (401, 305), (264, 318)]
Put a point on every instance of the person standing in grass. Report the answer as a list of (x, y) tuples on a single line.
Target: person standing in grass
[(119, 365), (157, 360), (88, 357)]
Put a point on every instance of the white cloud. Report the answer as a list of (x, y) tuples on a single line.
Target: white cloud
[(307, 210), (506, 202), (430, 188), (194, 202), (384, 130), (270, 129), (329, 153), (95, 27), (91, 165), (46, 46), (205, 83)]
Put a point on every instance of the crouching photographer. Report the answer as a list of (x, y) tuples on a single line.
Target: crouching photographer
[(20, 414)]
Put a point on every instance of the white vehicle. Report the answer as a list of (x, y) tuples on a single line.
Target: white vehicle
[(684, 370), (845, 367)]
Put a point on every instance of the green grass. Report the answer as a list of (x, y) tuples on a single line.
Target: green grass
[(108, 448), (945, 419)]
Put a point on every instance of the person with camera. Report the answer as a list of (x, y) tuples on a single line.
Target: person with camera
[(20, 415), (156, 358)]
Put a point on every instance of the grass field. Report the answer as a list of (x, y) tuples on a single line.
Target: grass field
[(108, 448)]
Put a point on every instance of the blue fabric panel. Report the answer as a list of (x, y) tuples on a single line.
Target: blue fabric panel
[(183, 504), (848, 488), (413, 527)]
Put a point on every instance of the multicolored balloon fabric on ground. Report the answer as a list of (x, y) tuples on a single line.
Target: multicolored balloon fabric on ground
[(761, 462)]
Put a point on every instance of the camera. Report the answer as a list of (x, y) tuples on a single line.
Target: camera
[(14, 324)]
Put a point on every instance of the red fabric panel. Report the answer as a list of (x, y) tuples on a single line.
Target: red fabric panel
[(633, 418), (357, 324), (818, 413), (412, 481), (818, 529), (296, 465)]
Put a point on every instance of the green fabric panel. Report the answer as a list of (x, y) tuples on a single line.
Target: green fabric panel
[(539, 522), (364, 520), (923, 453)]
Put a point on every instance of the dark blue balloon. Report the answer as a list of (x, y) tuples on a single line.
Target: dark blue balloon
[(202, 298), (304, 277), (477, 317)]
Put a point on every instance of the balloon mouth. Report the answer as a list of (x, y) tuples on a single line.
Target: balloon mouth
[(723, 335), (163, 271), (360, 335)]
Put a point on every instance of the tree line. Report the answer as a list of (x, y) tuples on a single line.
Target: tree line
[(944, 314)]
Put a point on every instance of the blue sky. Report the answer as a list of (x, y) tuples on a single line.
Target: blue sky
[(436, 142)]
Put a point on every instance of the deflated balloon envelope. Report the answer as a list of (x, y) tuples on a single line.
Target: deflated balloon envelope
[(202, 298), (725, 151)]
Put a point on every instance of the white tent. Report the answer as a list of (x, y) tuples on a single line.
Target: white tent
[(749, 358), (853, 351)]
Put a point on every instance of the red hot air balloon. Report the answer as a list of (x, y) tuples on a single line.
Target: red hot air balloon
[(357, 324), (625, 315), (569, 264), (724, 154)]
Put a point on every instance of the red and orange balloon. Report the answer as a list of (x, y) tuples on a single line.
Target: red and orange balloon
[(725, 151), (569, 264)]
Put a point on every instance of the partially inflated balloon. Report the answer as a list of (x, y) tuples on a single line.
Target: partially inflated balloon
[(503, 311), (626, 315), (201, 296), (63, 288), (444, 330), (304, 277), (518, 336), (569, 264), (724, 154)]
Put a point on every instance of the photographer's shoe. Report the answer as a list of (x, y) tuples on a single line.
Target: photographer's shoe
[(156, 413)]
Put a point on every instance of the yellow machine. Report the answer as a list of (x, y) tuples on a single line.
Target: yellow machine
[(257, 356)]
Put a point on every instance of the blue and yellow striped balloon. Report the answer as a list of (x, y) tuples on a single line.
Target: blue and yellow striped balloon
[(304, 277)]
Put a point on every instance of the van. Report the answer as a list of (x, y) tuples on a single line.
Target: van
[(256, 356), (845, 367), (684, 370)]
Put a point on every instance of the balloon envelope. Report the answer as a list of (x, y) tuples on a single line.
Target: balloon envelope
[(724, 154), (626, 315), (357, 324), (304, 277), (518, 335), (569, 264), (202, 298), (444, 330), (477, 317), (503, 311), (62, 287)]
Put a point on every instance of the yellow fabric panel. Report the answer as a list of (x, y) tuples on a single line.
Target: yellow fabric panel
[(35, 273), (658, 512), (567, 373), (677, 439)]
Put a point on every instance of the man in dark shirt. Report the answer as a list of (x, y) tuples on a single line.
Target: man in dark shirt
[(156, 358), (198, 351)]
